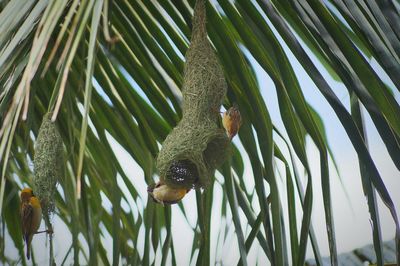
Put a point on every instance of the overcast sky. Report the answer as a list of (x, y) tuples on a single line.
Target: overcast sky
[(352, 224)]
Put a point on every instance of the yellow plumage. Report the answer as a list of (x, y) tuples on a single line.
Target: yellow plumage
[(31, 217), (161, 193)]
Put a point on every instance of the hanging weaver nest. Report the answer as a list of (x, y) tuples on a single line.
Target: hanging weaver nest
[(47, 164), (197, 145)]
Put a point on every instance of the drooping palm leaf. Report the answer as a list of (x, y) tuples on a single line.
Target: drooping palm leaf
[(111, 73)]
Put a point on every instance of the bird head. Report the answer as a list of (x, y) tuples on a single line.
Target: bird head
[(26, 194), (151, 188), (234, 110)]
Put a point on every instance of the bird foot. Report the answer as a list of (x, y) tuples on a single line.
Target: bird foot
[(48, 231)]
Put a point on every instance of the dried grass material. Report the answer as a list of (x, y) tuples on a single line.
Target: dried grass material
[(198, 139), (47, 164)]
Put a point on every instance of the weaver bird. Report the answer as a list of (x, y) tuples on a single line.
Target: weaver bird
[(31, 216), (231, 120), (161, 193)]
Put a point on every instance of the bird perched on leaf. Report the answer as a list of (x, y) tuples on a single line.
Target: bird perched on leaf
[(231, 120), (164, 194), (31, 216)]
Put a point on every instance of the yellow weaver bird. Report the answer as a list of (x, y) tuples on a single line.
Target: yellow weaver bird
[(232, 120), (31, 216), (161, 193)]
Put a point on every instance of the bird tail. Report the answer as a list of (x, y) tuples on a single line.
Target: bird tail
[(28, 249)]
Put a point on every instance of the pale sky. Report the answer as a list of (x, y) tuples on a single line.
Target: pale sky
[(352, 224)]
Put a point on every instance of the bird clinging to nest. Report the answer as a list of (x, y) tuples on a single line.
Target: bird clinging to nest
[(164, 194), (31, 217), (232, 120)]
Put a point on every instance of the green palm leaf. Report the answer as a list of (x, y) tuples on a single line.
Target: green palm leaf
[(111, 72)]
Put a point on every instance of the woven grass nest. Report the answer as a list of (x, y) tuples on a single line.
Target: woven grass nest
[(197, 145), (48, 164)]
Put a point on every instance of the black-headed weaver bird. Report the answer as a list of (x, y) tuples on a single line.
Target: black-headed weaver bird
[(31, 217), (232, 120), (164, 194)]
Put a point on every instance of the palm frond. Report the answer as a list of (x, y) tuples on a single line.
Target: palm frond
[(111, 73)]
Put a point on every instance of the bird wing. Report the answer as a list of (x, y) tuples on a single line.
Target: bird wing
[(37, 214), (26, 218)]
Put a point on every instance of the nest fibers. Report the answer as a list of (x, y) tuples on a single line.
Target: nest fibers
[(47, 164), (197, 145)]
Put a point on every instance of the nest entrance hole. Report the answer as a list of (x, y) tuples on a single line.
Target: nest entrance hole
[(183, 171)]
